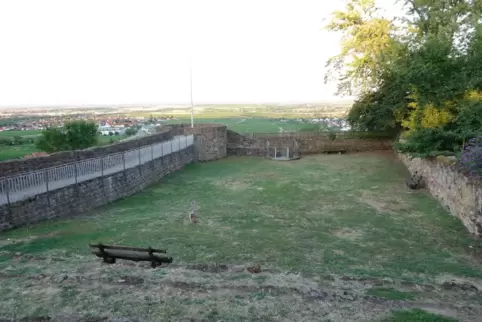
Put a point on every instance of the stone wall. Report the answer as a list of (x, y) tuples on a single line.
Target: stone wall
[(210, 139), (459, 194), (308, 143), (12, 167), (85, 196)]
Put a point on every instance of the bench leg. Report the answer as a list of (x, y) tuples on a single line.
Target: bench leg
[(109, 260), (155, 264)]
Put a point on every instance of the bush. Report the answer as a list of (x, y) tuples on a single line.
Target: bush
[(430, 142), (6, 141), (131, 131), (471, 159), (18, 140), (52, 140), (74, 136)]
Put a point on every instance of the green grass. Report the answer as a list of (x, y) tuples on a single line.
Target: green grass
[(346, 214), (323, 215), (9, 152), (20, 133), (417, 316), (107, 139)]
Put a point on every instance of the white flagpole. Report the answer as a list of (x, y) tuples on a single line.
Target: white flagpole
[(192, 102)]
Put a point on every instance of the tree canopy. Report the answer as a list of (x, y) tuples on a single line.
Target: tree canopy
[(74, 135), (420, 73)]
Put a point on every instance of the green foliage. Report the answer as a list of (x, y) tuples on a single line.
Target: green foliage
[(367, 44), (74, 136), (429, 75), (80, 134), (430, 142), (131, 131), (52, 140), (6, 141)]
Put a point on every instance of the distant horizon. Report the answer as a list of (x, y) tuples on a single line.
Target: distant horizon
[(169, 104)]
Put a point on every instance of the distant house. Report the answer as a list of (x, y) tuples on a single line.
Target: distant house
[(106, 130)]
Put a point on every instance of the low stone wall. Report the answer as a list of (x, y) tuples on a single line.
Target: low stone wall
[(85, 196), (308, 143), (12, 167), (459, 194), (210, 139)]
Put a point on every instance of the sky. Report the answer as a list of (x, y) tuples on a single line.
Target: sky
[(109, 52)]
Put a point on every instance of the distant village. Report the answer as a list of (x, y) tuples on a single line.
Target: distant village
[(117, 125), (325, 123)]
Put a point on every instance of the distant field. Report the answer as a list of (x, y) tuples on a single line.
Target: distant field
[(253, 125), (19, 133)]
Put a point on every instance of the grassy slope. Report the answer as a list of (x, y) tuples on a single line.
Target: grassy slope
[(322, 215)]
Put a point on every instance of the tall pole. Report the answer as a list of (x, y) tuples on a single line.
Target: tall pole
[(192, 102)]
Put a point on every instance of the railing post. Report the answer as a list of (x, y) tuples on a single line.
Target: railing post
[(179, 144), (102, 173), (139, 153), (76, 173), (185, 139), (124, 160), (152, 152), (7, 190), (47, 185), (162, 149), (46, 174), (171, 145)]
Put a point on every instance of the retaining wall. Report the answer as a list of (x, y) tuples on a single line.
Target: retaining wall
[(12, 167), (309, 143), (87, 195), (460, 195), (210, 141)]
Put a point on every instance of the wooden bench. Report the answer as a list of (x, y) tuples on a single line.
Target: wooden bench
[(110, 253)]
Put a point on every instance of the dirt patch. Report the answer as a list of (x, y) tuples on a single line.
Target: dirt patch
[(384, 204), (233, 184), (26, 239), (348, 234), (218, 268), (130, 280)]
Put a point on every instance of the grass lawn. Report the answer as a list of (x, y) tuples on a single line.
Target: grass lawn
[(338, 238)]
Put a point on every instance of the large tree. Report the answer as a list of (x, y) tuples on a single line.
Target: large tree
[(367, 44), (424, 77)]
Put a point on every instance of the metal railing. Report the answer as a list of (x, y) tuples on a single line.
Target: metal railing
[(30, 184)]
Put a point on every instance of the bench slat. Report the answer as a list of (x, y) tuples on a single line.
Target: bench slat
[(107, 247)]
